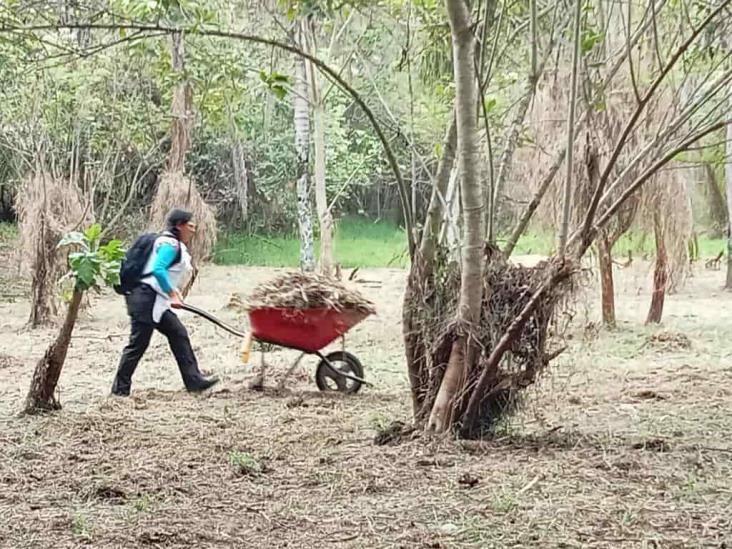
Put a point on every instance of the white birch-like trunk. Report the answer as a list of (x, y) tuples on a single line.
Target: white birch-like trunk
[(302, 147)]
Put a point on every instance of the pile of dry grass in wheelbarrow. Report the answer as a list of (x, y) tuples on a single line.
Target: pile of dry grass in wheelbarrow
[(297, 290)]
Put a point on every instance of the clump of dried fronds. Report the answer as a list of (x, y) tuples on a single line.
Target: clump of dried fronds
[(47, 208), (177, 190), (298, 290), (507, 290)]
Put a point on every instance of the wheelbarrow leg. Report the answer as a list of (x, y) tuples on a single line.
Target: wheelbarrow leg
[(281, 384), (257, 383)]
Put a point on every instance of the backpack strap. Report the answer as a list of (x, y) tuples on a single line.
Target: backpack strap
[(178, 255)]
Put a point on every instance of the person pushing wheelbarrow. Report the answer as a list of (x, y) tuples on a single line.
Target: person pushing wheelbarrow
[(154, 268)]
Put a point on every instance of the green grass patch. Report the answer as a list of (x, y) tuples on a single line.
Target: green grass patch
[(363, 243), (358, 243), (8, 231)]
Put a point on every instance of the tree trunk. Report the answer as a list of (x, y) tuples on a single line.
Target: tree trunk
[(451, 216), (420, 274), (241, 179), (471, 195), (567, 194), (321, 198), (728, 177), (41, 395), (717, 207), (439, 200), (660, 274), (607, 285), (182, 109), (302, 147)]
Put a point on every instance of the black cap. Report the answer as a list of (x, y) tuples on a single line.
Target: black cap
[(176, 216)]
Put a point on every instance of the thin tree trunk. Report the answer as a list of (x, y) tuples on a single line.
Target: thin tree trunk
[(41, 395), (607, 285), (529, 92), (534, 204), (728, 177), (471, 283), (660, 274), (302, 146), (241, 179), (422, 268), (566, 199), (438, 199), (321, 199), (717, 207)]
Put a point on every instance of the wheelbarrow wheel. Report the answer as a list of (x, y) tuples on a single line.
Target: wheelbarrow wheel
[(342, 361)]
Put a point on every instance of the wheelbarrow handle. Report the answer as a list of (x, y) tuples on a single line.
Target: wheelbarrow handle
[(212, 318)]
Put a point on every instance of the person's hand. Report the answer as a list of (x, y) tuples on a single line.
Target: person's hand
[(176, 301)]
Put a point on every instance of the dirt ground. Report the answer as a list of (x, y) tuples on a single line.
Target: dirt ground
[(625, 443)]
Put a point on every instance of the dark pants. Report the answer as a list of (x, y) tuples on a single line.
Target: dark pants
[(139, 307)]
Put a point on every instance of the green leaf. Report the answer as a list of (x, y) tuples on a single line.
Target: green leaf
[(112, 251), (590, 39), (279, 92), (93, 233)]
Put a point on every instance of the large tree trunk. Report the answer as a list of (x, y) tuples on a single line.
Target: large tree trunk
[(728, 177), (471, 284), (41, 395), (302, 147), (607, 285), (717, 207), (321, 198), (660, 274)]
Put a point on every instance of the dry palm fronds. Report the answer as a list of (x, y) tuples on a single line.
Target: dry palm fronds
[(298, 290), (47, 208), (176, 190)]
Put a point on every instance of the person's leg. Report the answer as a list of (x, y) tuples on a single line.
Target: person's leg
[(172, 328), (139, 308), (131, 355)]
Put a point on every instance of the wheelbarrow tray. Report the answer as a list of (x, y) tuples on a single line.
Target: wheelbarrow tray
[(307, 330)]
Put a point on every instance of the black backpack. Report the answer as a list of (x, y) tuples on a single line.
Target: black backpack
[(130, 272)]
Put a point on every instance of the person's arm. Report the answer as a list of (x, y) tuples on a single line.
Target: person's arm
[(164, 259)]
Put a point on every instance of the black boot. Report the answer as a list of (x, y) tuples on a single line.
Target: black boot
[(203, 384), (120, 389)]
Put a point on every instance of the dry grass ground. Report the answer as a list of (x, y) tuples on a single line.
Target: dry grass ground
[(625, 444)]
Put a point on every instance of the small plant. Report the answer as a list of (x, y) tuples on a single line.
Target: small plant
[(503, 502), (379, 421), (144, 503), (244, 463), (91, 266), (80, 526)]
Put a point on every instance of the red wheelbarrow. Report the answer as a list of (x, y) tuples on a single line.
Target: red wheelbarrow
[(308, 331)]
